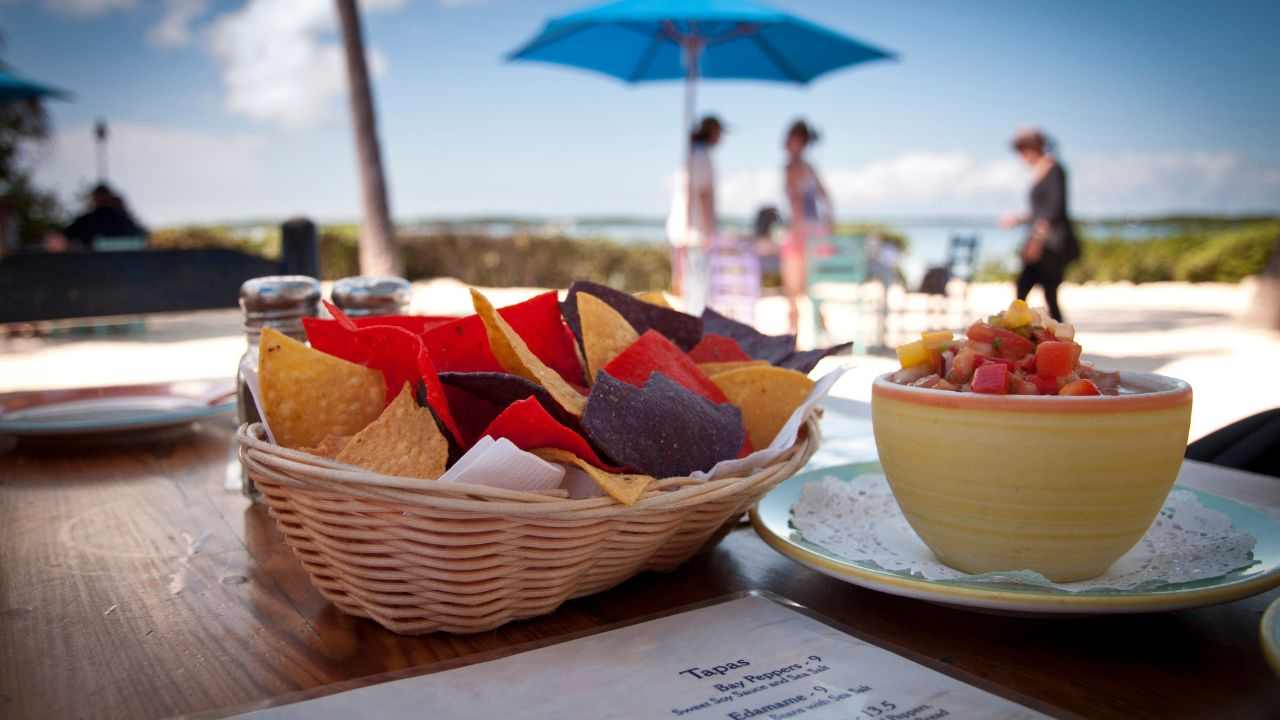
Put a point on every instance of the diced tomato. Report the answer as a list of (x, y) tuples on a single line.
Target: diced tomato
[(1045, 385), (1027, 364), (981, 332), (935, 362), (1007, 344), (992, 379), (1080, 387), (1056, 359)]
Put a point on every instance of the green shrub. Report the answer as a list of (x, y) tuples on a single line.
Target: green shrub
[(1230, 256), (1220, 253)]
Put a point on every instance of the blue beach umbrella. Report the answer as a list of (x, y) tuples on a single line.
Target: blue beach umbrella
[(649, 40), (13, 87)]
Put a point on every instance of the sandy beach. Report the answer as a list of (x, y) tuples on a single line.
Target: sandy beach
[(1190, 331)]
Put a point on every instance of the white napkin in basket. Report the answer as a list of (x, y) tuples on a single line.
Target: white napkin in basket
[(499, 463)]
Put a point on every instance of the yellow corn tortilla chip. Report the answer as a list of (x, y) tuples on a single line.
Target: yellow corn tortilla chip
[(766, 395), (330, 446), (715, 368), (605, 333), (307, 394), (625, 488), (654, 297), (404, 441), (515, 357)]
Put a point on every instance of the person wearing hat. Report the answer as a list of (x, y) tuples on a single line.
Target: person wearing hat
[(811, 215), (1051, 243), (692, 224)]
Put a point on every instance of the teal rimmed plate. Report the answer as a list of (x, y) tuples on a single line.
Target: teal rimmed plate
[(772, 520), (1271, 635)]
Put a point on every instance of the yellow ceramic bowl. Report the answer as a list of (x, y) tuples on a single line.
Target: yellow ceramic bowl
[(1060, 485)]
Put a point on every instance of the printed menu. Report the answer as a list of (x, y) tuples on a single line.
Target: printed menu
[(748, 658)]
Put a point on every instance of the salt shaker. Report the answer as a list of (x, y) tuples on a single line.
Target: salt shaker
[(279, 302), (365, 296)]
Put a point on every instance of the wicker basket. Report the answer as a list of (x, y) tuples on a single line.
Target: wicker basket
[(418, 556)]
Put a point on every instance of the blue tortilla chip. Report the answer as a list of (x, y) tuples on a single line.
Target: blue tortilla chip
[(680, 328), (481, 396), (779, 350), (806, 360), (773, 349), (661, 429)]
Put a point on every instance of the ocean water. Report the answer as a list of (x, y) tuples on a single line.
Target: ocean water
[(927, 240)]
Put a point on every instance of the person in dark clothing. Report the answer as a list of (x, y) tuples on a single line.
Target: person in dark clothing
[(1251, 444), (108, 218), (1051, 243)]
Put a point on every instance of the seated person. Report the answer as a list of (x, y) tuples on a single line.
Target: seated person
[(108, 218)]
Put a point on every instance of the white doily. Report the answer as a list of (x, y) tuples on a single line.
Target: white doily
[(860, 520)]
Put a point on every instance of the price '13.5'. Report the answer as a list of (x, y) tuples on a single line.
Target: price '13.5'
[(879, 709)]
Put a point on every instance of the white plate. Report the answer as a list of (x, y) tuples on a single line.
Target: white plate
[(772, 520), (125, 408)]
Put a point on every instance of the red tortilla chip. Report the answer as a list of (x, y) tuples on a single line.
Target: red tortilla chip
[(714, 348), (463, 344), (654, 353), (397, 353), (528, 425), (477, 398)]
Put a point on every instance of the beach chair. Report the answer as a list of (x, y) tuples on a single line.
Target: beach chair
[(836, 260)]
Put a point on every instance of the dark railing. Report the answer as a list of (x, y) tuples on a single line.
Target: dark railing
[(57, 286)]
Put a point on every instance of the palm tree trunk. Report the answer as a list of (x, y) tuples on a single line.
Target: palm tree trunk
[(379, 254)]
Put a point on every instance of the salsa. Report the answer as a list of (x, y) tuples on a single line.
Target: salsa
[(1017, 352)]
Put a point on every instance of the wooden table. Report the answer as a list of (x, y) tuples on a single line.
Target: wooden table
[(133, 585)]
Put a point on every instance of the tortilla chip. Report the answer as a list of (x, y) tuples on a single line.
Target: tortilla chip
[(713, 369), (654, 297), (330, 446), (771, 348), (530, 427), (394, 351), (463, 346), (403, 441), (680, 328), (308, 395), (624, 487), (767, 397), (806, 360), (717, 348), (653, 353), (605, 333), (514, 356), (476, 398), (662, 429)]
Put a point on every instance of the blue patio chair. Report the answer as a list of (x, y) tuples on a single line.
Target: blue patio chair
[(836, 260)]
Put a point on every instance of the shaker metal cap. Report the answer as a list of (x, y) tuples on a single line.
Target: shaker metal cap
[(372, 295), (280, 295)]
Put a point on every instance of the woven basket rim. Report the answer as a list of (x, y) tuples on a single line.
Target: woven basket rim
[(301, 469)]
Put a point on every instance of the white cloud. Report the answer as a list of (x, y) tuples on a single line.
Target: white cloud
[(175, 26), (88, 8), (170, 174), (278, 64), (956, 182)]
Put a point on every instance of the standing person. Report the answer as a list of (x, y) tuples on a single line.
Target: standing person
[(1051, 243), (811, 215), (691, 226)]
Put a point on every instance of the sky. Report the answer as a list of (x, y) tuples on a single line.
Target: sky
[(224, 110)]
